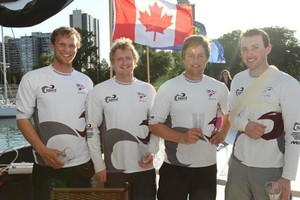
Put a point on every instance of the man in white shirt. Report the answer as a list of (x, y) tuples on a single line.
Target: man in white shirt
[(55, 96), (264, 108)]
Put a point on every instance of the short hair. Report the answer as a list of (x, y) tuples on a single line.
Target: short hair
[(255, 32), (196, 40), (66, 31), (123, 44)]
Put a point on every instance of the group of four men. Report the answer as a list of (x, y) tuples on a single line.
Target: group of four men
[(68, 113)]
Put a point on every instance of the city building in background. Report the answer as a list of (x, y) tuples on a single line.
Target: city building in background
[(6, 38), (86, 22), (6, 48), (23, 54), (32, 47), (15, 63)]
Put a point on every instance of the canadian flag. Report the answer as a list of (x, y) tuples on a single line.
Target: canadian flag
[(155, 23)]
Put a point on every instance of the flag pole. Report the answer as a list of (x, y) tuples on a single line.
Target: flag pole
[(110, 31), (148, 65)]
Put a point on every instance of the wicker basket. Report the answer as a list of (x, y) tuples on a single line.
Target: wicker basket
[(89, 194)]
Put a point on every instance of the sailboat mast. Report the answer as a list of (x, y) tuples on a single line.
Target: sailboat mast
[(4, 66)]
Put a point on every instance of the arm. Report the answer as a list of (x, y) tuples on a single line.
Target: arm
[(153, 148), (25, 102), (286, 188), (290, 95), (190, 137), (218, 136), (254, 130), (154, 141), (94, 144), (49, 156), (241, 121), (94, 119)]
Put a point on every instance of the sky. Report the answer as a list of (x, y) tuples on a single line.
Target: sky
[(218, 16)]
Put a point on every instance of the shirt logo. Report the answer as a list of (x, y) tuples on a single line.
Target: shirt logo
[(141, 96), (296, 134), (266, 92), (296, 127), (49, 89), (80, 88), (112, 98), (238, 92), (180, 97), (211, 94)]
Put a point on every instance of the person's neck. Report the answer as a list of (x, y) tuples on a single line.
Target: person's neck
[(191, 77), (124, 79), (63, 68), (258, 71)]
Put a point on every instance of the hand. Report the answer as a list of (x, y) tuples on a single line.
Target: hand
[(286, 188), (101, 176), (217, 137), (254, 130), (192, 136), (50, 157), (148, 163)]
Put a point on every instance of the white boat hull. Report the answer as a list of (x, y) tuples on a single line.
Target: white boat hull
[(8, 111)]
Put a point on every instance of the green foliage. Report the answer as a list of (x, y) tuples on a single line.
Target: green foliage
[(285, 53), (230, 43), (100, 73), (160, 63), (87, 59), (164, 65), (168, 64), (160, 81), (177, 66), (214, 69), (87, 56), (45, 60)]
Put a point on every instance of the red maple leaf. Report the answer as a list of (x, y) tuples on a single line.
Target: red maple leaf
[(155, 22)]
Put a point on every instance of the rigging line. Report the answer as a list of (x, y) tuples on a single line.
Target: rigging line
[(8, 165)]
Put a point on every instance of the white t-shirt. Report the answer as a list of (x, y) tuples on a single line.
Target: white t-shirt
[(126, 109), (178, 98), (282, 147), (57, 103)]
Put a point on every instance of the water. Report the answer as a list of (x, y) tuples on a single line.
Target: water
[(10, 136)]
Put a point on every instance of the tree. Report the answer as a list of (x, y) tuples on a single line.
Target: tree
[(177, 65), (87, 56), (168, 64), (176, 68), (100, 73), (285, 53), (159, 63), (45, 60), (230, 43)]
